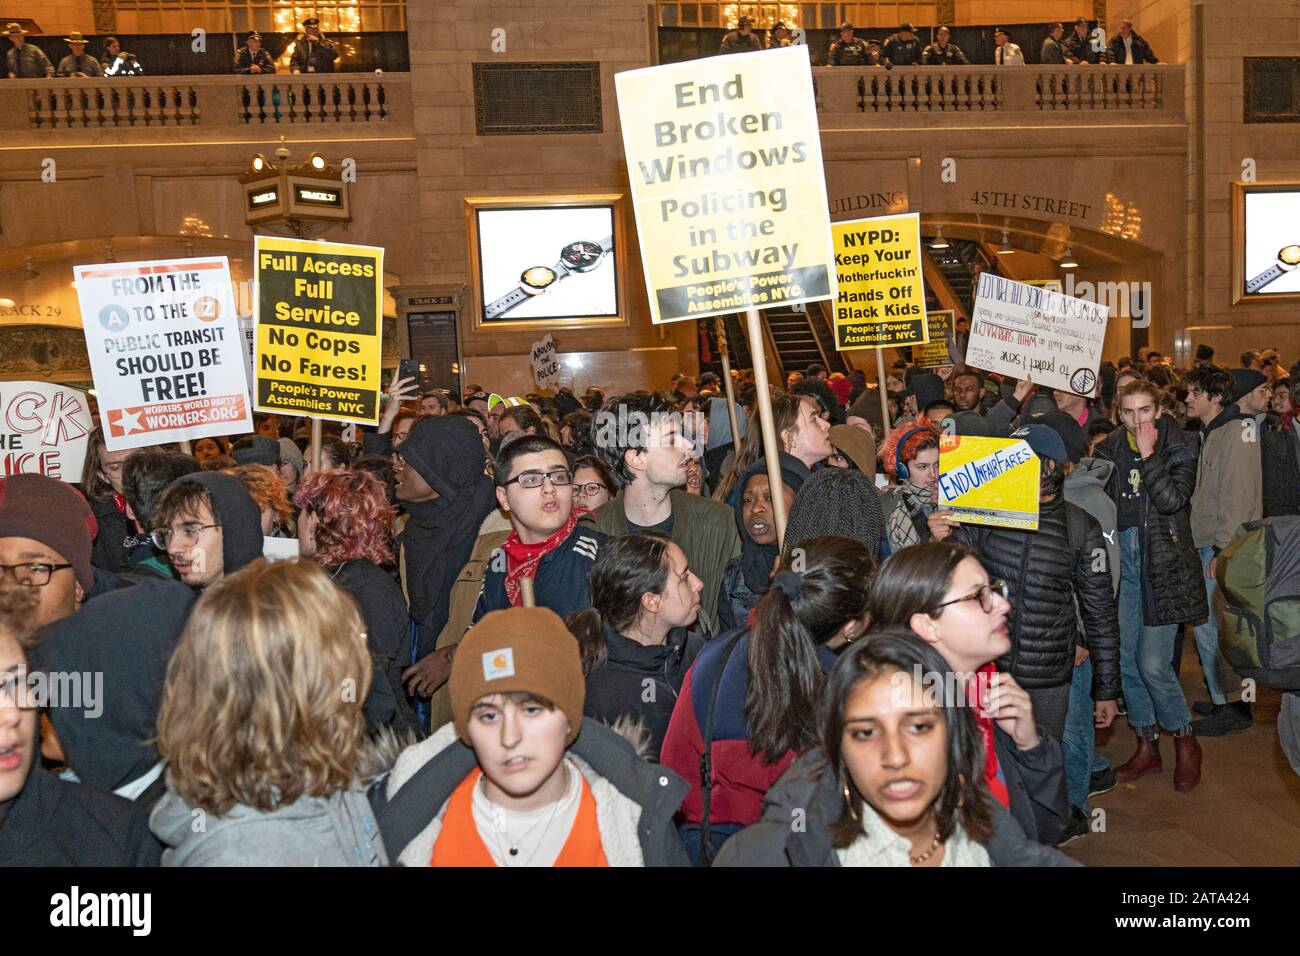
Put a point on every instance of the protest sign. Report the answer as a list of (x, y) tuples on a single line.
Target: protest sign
[(319, 320), (1022, 331), (164, 350), (546, 364), (989, 481), (936, 352), (724, 158), (249, 342), (44, 430), (881, 300)]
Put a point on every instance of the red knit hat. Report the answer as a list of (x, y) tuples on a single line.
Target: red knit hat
[(51, 512)]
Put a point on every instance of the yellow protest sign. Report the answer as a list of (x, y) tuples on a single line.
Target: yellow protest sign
[(989, 481), (881, 300), (319, 317), (939, 328), (724, 157)]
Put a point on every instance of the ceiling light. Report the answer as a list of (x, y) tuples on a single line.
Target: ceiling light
[(1069, 261), (317, 161), (1005, 249), (939, 242), (259, 163)]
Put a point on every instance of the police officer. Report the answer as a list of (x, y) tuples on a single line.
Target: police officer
[(741, 40), (904, 47), (26, 61), (848, 50), (1079, 47), (313, 53), (781, 35), (943, 53), (251, 58), (77, 63)]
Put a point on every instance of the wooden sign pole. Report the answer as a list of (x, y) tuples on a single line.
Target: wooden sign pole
[(771, 450), (720, 335)]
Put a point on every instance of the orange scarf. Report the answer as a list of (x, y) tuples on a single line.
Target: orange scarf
[(459, 842)]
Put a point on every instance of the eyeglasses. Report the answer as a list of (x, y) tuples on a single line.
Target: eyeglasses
[(984, 595), (590, 488), (31, 575), (186, 536), (559, 478)]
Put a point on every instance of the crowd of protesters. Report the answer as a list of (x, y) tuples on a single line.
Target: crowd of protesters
[(563, 630)]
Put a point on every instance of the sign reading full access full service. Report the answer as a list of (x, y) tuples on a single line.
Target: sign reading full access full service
[(724, 157), (164, 350), (881, 300), (318, 327)]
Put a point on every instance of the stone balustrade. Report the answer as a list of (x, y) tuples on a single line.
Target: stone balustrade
[(924, 91), (205, 101)]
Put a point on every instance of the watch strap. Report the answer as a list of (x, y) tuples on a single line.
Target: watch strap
[(1264, 278), (516, 297)]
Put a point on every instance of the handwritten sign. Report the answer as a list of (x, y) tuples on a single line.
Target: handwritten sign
[(43, 430), (989, 481), (1021, 330), (546, 363)]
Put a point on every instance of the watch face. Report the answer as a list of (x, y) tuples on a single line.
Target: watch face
[(1290, 255), (581, 256), (538, 279)]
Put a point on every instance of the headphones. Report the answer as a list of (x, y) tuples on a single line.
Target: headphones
[(900, 469)]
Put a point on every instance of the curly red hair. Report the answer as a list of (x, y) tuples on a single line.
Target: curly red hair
[(925, 434), (354, 518)]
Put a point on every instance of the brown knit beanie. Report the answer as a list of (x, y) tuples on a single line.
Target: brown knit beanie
[(858, 445), (520, 649), (51, 512)]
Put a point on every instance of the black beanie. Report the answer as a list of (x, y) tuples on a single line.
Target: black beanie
[(836, 501)]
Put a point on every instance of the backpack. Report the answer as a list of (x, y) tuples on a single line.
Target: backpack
[(1259, 615)]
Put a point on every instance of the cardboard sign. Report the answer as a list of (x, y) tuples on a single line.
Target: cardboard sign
[(989, 481), (881, 300), (319, 322), (1022, 330), (724, 157), (546, 363), (44, 430), (936, 352), (164, 350)]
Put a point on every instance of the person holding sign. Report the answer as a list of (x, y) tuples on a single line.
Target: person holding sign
[(1160, 581), (911, 457), (1055, 576)]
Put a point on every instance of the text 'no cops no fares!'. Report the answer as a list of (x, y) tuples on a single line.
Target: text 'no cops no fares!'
[(724, 157), (319, 321)]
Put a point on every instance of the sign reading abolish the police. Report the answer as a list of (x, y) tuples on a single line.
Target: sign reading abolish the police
[(881, 301), (319, 319), (724, 157)]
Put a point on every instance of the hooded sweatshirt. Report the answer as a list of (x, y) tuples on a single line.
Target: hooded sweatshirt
[(446, 452), (338, 830), (237, 513), (117, 646), (1086, 487)]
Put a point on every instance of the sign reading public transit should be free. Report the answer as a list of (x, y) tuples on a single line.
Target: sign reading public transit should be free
[(1027, 331), (881, 300), (164, 350), (318, 326), (724, 157)]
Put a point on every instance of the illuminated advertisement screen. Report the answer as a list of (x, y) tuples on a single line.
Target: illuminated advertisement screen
[(1269, 241), (544, 262)]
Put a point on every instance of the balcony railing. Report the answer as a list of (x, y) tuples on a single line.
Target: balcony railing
[(990, 89), (206, 101)]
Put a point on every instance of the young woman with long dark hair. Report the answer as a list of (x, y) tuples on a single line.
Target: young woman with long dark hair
[(753, 694)]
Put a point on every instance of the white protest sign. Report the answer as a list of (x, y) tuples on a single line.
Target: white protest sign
[(248, 328), (546, 363), (165, 350), (1023, 331), (44, 429)]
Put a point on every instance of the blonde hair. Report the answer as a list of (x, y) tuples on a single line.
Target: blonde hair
[(262, 702)]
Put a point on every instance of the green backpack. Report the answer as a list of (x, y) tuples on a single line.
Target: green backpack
[(1259, 614)]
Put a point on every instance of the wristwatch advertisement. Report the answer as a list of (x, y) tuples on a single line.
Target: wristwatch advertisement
[(1288, 257), (1266, 241), (576, 258), (546, 262)]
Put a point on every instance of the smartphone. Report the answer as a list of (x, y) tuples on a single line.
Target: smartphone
[(409, 368)]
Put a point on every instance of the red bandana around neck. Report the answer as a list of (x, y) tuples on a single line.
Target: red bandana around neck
[(522, 559), (993, 776)]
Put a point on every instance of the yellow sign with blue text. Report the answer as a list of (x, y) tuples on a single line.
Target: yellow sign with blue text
[(989, 481), (881, 298)]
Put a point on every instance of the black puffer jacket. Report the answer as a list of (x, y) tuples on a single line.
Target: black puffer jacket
[(1044, 574), (1173, 590)]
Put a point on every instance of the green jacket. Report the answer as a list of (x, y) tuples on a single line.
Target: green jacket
[(703, 528)]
